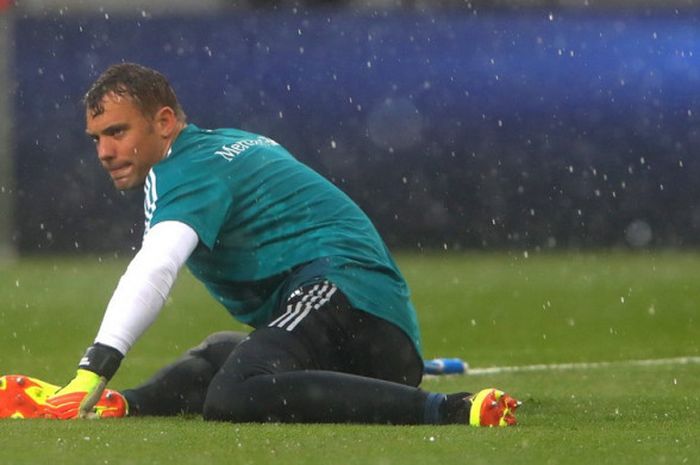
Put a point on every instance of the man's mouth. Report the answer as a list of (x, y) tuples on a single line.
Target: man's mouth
[(119, 171)]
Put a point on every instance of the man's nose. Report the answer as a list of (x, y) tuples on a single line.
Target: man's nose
[(105, 149)]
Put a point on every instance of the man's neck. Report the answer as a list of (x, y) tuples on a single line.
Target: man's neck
[(178, 129)]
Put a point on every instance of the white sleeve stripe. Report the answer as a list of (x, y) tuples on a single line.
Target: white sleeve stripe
[(146, 283), (150, 198)]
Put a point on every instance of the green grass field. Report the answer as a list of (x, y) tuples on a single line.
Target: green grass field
[(490, 309)]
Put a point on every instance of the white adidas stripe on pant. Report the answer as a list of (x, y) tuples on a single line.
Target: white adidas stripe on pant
[(313, 299)]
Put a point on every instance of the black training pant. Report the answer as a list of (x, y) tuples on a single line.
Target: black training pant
[(320, 361)]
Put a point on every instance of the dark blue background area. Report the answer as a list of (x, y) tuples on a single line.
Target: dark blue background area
[(505, 130)]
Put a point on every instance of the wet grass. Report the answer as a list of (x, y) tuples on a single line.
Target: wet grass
[(491, 309)]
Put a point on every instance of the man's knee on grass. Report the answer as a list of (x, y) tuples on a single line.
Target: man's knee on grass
[(226, 400)]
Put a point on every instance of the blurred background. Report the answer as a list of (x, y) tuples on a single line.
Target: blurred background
[(505, 124)]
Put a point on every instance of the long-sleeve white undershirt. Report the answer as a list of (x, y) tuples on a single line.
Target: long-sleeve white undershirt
[(146, 283)]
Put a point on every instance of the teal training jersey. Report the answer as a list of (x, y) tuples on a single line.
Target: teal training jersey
[(268, 224)]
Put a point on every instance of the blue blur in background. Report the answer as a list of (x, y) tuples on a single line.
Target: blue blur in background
[(530, 130)]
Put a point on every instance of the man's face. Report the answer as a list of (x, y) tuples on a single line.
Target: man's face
[(127, 141)]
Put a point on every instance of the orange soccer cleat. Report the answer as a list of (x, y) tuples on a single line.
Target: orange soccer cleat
[(25, 397), (492, 407)]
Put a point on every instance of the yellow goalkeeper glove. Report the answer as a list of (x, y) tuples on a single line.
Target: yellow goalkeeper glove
[(78, 398)]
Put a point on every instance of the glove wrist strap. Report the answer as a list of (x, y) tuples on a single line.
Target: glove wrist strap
[(101, 359)]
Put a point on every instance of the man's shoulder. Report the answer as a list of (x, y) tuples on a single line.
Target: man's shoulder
[(224, 144)]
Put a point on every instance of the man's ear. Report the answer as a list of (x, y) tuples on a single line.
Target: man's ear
[(165, 122)]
